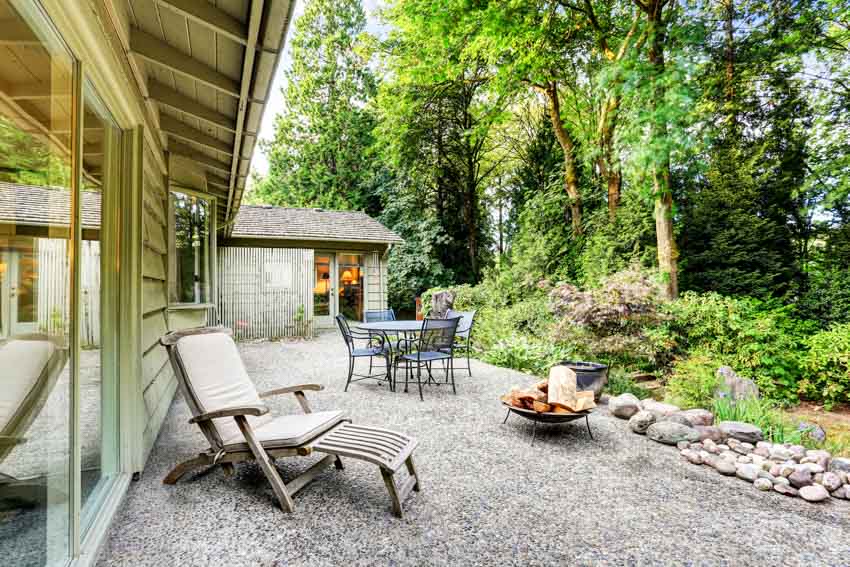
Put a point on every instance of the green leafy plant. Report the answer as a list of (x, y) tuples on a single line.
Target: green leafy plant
[(759, 412), (760, 340), (526, 355), (826, 366), (619, 382), (694, 381)]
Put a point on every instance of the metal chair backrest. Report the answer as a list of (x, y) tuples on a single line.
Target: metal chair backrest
[(379, 315), (437, 334), (342, 323), (467, 319)]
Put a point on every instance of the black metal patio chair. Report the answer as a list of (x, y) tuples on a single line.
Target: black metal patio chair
[(463, 336), (435, 343), (377, 345)]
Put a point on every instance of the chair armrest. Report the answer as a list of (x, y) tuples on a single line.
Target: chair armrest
[(293, 389), (254, 410)]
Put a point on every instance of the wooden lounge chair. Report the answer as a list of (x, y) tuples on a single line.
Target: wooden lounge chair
[(238, 426)]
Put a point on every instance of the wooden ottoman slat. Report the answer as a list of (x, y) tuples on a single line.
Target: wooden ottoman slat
[(389, 450)]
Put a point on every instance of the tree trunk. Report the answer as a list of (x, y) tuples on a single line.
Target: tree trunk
[(570, 168), (666, 242)]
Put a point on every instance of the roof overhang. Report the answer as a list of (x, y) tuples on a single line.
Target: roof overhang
[(206, 72)]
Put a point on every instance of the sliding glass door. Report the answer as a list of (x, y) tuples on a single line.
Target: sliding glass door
[(59, 187), (36, 206)]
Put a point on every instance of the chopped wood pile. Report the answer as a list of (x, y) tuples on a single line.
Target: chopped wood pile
[(556, 394)]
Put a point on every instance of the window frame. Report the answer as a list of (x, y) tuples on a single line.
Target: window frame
[(210, 248)]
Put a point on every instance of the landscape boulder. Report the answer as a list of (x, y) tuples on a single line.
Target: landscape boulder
[(741, 431), (800, 478), (839, 464), (734, 386), (814, 493), (812, 430), (641, 421), (785, 489), (709, 432), (671, 433), (697, 416), (624, 406), (660, 409)]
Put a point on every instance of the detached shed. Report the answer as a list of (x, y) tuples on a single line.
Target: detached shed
[(288, 272)]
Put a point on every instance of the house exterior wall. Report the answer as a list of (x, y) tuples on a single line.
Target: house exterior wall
[(157, 380), (267, 292)]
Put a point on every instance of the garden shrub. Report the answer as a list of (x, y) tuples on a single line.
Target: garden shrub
[(526, 354), (609, 321), (760, 340), (694, 381), (826, 366), (619, 382)]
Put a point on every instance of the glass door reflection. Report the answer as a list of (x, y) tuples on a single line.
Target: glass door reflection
[(350, 273)]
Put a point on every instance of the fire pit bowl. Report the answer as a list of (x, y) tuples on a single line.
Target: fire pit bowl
[(589, 375), (547, 417)]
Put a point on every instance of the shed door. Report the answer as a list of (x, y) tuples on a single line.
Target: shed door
[(324, 289)]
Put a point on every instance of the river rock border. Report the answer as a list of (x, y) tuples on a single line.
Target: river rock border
[(738, 449)]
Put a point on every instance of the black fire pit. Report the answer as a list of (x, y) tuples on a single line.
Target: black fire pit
[(589, 375), (547, 417)]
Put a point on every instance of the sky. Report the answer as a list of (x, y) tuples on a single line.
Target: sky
[(259, 163)]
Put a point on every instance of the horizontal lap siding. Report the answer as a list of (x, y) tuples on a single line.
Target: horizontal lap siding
[(376, 281), (266, 292), (158, 382)]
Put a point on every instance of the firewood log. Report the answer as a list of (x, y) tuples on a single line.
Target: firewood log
[(541, 407)]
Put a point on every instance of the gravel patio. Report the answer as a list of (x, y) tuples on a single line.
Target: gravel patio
[(488, 498)]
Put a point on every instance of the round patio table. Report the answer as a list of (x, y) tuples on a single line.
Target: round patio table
[(403, 328), (391, 326)]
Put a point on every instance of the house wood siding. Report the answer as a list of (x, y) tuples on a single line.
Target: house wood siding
[(158, 381), (266, 292)]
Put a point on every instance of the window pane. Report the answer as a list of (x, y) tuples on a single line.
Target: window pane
[(35, 211), (97, 434), (322, 289), (190, 236)]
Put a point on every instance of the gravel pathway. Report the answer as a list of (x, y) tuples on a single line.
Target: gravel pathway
[(488, 498)]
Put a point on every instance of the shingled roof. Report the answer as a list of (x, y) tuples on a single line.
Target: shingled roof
[(34, 205), (266, 221)]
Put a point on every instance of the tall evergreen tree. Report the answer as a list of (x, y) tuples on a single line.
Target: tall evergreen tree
[(321, 153)]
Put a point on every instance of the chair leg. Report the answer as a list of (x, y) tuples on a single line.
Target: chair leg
[(338, 464), (419, 381), (391, 488), (412, 472), (266, 465), (370, 366), (350, 372), (468, 365), (186, 466), (452, 371)]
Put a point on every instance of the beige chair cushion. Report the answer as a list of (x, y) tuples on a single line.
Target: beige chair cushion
[(218, 379), (22, 364), (288, 430)]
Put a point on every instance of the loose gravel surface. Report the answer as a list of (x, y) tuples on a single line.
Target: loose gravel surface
[(488, 497)]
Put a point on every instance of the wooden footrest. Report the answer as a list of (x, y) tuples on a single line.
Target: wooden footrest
[(387, 449)]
